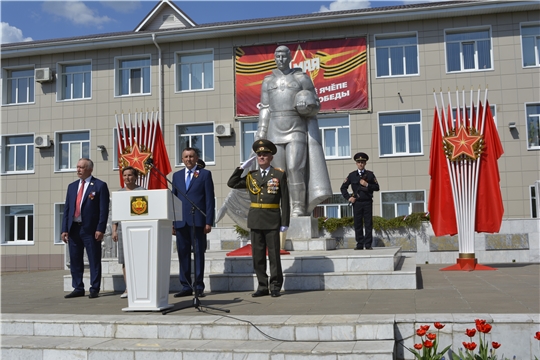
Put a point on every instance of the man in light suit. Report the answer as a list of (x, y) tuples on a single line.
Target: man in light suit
[(85, 218), (197, 184)]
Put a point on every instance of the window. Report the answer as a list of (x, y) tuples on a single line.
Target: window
[(200, 137), (533, 126), (75, 81), (530, 45), (334, 207), (18, 224), (249, 128), (400, 134), (492, 107), (396, 55), (195, 71), (133, 76), (71, 146), (468, 50), (19, 86), (58, 217), (335, 136), (534, 200), (18, 154), (402, 203)]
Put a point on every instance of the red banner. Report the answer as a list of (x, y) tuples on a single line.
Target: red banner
[(337, 67)]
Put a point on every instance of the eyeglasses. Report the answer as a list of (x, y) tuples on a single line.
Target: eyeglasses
[(261, 154)]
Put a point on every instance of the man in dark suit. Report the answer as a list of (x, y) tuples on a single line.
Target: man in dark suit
[(363, 183), (197, 184), (266, 217), (85, 218)]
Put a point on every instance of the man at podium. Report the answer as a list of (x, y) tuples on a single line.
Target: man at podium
[(197, 185)]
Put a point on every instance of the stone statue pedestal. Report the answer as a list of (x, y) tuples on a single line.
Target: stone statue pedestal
[(303, 235)]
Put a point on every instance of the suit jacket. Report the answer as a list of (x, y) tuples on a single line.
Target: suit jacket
[(273, 190), (94, 206), (201, 192), (362, 193)]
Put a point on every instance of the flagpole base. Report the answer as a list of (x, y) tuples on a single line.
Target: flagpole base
[(246, 251), (467, 262)]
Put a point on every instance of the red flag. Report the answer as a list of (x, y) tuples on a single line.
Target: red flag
[(489, 205), (441, 202), (161, 162)]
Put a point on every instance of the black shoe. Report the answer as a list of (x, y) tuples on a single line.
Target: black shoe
[(358, 248), (74, 294), (369, 248), (184, 293), (275, 293), (260, 293), (200, 293), (93, 295)]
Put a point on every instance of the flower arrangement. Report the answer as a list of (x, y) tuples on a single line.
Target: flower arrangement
[(483, 350), (428, 344)]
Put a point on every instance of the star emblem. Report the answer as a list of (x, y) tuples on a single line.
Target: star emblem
[(463, 144), (136, 158)]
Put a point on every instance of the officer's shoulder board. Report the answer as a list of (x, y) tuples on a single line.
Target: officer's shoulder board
[(280, 170)]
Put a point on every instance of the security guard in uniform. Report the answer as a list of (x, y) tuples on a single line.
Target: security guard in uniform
[(268, 215), (363, 183)]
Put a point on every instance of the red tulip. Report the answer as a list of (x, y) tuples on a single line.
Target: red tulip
[(470, 332), (424, 327), (418, 346), (438, 325), (484, 328), (428, 344), (420, 332), (472, 346), (431, 336), (495, 345), (478, 321), (537, 336)]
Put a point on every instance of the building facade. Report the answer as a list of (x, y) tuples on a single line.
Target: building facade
[(60, 98)]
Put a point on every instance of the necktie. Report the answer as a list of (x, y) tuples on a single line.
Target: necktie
[(188, 180), (79, 199), (264, 173)]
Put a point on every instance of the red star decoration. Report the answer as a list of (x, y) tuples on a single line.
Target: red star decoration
[(463, 143), (136, 158)]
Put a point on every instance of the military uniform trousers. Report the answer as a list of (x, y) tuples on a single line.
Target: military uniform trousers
[(363, 218)]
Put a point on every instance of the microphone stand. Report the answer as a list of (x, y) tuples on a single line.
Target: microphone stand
[(196, 302)]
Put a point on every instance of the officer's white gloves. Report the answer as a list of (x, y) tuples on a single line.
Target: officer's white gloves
[(283, 228), (248, 162)]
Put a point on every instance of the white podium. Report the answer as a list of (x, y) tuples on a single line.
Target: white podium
[(146, 217)]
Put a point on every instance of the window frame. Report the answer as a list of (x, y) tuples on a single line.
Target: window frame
[(396, 36), (330, 202), (177, 73), (26, 242), (118, 78), (60, 68), (466, 30), (537, 147), (178, 151), (4, 153), (7, 80), (58, 151), (536, 45), (323, 117), (58, 211), (402, 154), (245, 147), (424, 202)]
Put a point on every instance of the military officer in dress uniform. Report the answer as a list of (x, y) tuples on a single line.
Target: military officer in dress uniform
[(269, 214), (363, 183)]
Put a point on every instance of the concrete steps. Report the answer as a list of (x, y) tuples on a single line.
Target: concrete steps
[(344, 269), (197, 337)]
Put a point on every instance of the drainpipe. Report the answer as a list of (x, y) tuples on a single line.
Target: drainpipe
[(160, 87)]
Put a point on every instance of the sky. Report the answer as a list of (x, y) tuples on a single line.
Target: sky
[(23, 20)]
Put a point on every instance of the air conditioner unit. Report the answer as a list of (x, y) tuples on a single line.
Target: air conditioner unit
[(43, 75), (42, 141), (223, 130)]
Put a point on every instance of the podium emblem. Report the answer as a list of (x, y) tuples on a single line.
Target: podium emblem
[(139, 205)]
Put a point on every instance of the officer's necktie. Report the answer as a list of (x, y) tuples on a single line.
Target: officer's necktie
[(79, 199), (263, 174), (188, 180)]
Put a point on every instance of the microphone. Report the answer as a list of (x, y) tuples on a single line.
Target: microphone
[(149, 162)]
